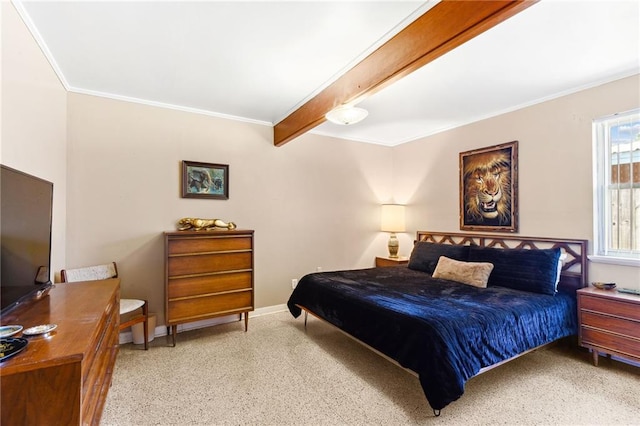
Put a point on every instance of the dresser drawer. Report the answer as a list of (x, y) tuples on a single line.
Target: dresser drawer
[(101, 343), (612, 324), (208, 306), (207, 244), (193, 286), (100, 375), (611, 342), (617, 307), (206, 263)]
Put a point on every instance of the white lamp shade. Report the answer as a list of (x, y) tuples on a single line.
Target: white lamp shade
[(392, 218), (346, 115)]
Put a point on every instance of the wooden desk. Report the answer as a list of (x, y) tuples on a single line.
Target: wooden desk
[(63, 378)]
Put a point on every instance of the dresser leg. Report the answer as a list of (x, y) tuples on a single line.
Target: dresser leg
[(246, 321), (595, 357), (174, 331)]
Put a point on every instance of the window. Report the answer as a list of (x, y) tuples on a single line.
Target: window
[(617, 187)]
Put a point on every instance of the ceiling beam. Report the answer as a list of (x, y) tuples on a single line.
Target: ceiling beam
[(442, 28)]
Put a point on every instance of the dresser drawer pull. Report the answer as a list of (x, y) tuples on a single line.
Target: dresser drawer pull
[(611, 315), (610, 332), (618, 308), (206, 274), (217, 314), (202, 253), (218, 293)]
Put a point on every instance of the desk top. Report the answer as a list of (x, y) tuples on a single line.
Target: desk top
[(76, 308)]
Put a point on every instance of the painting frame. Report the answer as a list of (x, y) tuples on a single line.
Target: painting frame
[(490, 173), (205, 180)]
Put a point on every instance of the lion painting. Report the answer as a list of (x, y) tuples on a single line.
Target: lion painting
[(487, 189)]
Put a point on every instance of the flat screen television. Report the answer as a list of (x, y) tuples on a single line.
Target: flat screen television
[(25, 217)]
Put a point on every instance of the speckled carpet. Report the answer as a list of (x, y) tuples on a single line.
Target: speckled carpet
[(279, 374)]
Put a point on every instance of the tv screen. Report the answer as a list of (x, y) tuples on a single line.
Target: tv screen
[(25, 217)]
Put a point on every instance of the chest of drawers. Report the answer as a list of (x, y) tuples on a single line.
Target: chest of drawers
[(609, 323), (208, 274)]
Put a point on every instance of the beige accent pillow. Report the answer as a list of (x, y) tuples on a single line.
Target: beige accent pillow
[(471, 273)]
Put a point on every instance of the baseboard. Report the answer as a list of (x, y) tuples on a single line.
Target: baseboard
[(161, 330)]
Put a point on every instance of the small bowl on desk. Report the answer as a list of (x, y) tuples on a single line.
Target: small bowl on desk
[(604, 286)]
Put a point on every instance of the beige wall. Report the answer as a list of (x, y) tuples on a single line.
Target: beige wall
[(33, 118), (555, 168), (313, 202)]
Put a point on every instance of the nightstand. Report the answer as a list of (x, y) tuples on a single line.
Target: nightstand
[(382, 262), (609, 323)]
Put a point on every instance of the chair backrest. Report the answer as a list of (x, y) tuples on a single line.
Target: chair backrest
[(90, 273)]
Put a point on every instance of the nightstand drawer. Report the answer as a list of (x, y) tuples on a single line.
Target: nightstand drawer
[(612, 324), (610, 341), (616, 307)]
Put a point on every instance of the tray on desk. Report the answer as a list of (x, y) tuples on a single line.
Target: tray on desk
[(10, 346)]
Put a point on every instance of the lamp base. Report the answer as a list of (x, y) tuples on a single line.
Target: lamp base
[(394, 245)]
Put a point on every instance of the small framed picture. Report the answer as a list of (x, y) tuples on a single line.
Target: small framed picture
[(205, 180)]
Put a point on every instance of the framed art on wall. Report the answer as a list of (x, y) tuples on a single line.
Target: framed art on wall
[(489, 188), (205, 180)]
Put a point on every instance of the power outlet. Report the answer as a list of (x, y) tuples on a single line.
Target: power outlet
[(318, 268), (294, 283)]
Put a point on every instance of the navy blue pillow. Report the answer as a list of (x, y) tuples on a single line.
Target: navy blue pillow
[(425, 255), (528, 270)]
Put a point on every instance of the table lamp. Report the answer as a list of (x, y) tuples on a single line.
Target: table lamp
[(392, 220)]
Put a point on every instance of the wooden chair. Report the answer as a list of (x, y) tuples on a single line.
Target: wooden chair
[(102, 272)]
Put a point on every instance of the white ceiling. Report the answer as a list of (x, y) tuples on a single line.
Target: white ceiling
[(258, 61)]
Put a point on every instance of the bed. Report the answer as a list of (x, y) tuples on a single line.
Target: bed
[(435, 317)]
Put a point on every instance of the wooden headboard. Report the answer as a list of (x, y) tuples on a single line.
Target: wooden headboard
[(574, 269)]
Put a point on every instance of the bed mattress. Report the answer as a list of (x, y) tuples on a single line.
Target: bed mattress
[(444, 331)]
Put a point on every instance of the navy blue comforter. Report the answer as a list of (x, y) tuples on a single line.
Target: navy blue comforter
[(444, 331)]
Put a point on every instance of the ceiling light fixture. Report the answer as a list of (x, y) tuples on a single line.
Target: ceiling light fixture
[(346, 115)]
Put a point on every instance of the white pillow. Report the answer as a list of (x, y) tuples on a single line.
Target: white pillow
[(561, 259), (471, 273)]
